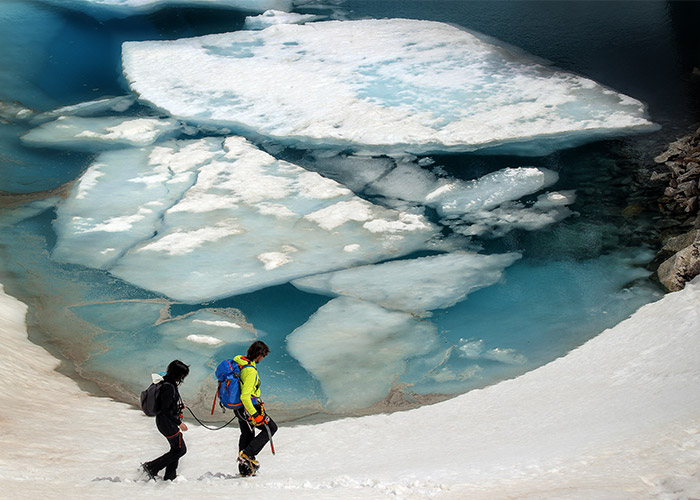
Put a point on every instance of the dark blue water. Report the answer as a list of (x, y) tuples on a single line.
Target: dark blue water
[(575, 279)]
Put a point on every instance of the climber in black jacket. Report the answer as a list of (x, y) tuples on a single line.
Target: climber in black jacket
[(169, 422)]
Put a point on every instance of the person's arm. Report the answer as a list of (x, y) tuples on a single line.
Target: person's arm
[(249, 380)]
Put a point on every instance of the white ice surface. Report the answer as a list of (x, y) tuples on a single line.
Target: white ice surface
[(123, 8), (391, 85), (616, 419), (442, 280), (254, 221)]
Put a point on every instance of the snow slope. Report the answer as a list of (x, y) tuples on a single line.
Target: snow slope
[(617, 418)]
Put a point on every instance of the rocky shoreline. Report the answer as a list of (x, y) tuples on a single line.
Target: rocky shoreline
[(677, 173)]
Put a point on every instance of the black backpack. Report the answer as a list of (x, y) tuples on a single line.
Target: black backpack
[(149, 399)]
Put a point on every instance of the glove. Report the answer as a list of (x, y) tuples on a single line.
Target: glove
[(260, 419)]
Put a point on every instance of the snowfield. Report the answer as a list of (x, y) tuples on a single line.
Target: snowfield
[(617, 418)]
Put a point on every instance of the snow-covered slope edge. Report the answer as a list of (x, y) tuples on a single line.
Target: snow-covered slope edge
[(617, 418)]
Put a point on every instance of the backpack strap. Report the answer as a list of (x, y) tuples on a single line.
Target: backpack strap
[(213, 405)]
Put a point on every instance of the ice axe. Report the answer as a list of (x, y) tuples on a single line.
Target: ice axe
[(269, 436)]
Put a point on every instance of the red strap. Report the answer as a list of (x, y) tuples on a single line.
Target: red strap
[(214, 403)]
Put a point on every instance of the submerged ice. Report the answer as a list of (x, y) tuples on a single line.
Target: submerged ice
[(426, 283), (348, 341), (390, 85)]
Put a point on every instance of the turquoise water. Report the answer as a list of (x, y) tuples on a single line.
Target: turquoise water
[(575, 279)]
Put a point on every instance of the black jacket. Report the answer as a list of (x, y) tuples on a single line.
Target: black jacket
[(169, 403)]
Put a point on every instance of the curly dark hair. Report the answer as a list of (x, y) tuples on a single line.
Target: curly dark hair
[(177, 371), (257, 348)]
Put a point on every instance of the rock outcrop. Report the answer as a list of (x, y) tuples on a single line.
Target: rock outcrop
[(680, 172)]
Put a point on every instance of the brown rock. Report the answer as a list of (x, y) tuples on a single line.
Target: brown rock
[(660, 177), (682, 266), (689, 188), (678, 243)]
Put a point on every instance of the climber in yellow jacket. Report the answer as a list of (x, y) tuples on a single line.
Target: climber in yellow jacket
[(252, 415)]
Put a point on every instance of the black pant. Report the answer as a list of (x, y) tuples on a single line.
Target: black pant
[(249, 443), (169, 460)]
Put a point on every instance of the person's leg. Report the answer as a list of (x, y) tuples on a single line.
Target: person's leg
[(177, 454), (247, 432), (257, 443), (247, 435), (169, 461)]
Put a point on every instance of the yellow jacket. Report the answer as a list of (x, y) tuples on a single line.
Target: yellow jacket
[(250, 384)]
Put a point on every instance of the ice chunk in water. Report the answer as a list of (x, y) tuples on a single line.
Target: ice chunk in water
[(273, 17), (357, 350), (90, 108), (198, 220), (548, 209), (415, 285), (390, 85), (405, 179), (487, 192), (73, 132)]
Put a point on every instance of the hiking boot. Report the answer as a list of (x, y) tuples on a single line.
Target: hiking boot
[(247, 466), (149, 474), (245, 470)]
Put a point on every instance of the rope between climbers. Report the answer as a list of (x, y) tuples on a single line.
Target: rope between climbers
[(204, 424)]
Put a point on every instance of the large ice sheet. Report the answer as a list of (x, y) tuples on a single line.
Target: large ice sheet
[(203, 219), (358, 350), (392, 84), (123, 8), (415, 285)]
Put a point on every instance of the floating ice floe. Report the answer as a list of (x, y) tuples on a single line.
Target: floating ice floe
[(123, 8), (273, 17), (474, 349), (91, 134), (457, 197), (389, 85), (548, 209), (102, 106), (357, 350), (202, 219), (415, 285), (485, 206)]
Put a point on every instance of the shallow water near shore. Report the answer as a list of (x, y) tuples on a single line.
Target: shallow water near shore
[(576, 277)]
